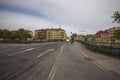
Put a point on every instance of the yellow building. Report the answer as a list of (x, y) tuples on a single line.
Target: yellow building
[(53, 34), (107, 35), (79, 38)]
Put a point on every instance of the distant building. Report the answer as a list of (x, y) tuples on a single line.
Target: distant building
[(79, 38), (102, 36), (106, 36), (82, 38), (53, 34), (90, 38)]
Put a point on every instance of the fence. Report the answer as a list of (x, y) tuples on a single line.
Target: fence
[(112, 50)]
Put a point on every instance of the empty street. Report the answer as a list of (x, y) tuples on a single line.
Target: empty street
[(56, 61)]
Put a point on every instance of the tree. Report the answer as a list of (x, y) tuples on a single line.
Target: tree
[(6, 34), (23, 34), (13, 35), (26, 35), (116, 16), (74, 35), (1, 33), (117, 34), (20, 34)]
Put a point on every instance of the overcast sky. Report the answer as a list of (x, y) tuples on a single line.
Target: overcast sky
[(77, 16)]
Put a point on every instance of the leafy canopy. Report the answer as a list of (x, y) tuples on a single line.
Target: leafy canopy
[(20, 33), (117, 33), (116, 17)]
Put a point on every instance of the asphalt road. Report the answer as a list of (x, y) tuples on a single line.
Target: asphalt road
[(56, 61)]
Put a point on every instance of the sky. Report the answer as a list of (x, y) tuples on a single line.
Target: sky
[(76, 16)]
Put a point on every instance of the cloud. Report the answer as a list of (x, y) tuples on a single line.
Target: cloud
[(73, 15), (16, 20), (16, 9)]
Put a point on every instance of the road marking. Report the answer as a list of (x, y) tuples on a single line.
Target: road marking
[(30, 49), (83, 53), (61, 49), (49, 50), (96, 63), (100, 66), (53, 70)]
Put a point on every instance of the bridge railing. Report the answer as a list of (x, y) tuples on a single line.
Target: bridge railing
[(107, 49)]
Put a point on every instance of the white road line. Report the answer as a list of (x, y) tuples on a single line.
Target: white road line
[(83, 53), (49, 50), (53, 70), (94, 62), (26, 50), (30, 49), (100, 66), (52, 73), (61, 49)]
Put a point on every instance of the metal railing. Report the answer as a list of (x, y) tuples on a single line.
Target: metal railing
[(107, 49)]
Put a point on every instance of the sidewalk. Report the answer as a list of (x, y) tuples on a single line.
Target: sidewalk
[(111, 64)]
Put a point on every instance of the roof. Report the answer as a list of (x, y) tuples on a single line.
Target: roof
[(50, 29)]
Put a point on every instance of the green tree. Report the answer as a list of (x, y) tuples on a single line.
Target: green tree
[(116, 16), (26, 34), (74, 35), (13, 35), (20, 33), (1, 33), (6, 34), (117, 34), (23, 34)]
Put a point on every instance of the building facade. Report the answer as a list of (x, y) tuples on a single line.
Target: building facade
[(53, 34), (106, 36), (79, 38)]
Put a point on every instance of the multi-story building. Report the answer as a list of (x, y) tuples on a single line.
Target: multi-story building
[(106, 36), (53, 34), (79, 38)]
